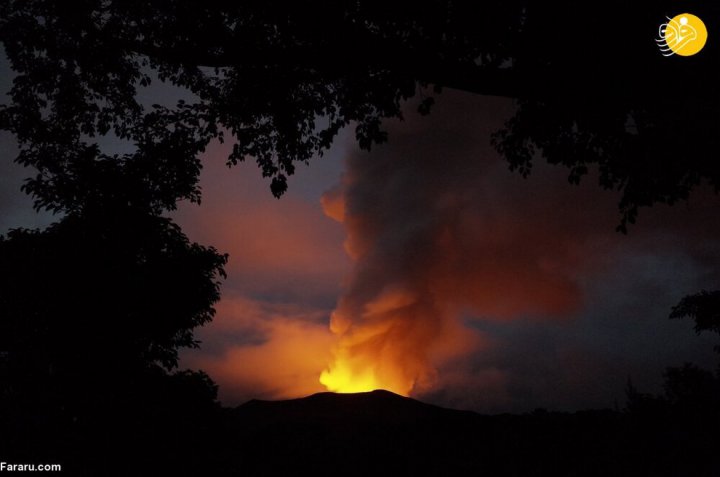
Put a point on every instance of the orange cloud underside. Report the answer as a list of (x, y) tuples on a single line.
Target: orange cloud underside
[(292, 347)]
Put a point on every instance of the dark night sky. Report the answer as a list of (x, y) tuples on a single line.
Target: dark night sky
[(534, 299)]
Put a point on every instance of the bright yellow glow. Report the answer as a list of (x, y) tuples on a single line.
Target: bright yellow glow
[(355, 374), (342, 380), (376, 347)]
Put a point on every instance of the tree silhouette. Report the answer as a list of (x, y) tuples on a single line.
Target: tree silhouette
[(675, 432), (695, 392), (704, 308), (283, 80), (93, 311)]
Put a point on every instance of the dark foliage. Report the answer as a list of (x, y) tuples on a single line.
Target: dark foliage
[(104, 285), (704, 308), (646, 123), (676, 432), (682, 422), (93, 311), (283, 80)]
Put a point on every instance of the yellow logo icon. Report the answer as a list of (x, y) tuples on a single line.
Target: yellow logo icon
[(683, 35)]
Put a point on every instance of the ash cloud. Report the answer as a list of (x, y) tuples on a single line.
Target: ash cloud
[(469, 285), (530, 272)]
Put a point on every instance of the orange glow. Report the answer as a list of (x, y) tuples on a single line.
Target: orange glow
[(343, 377), (360, 373), (382, 344), (359, 366), (396, 343), (285, 347)]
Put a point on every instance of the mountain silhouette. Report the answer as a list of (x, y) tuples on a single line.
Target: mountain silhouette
[(376, 432), (359, 408), (381, 433)]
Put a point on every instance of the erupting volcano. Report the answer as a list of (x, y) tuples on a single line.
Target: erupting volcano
[(433, 252), (384, 347)]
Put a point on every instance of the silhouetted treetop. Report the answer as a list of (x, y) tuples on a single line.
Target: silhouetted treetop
[(704, 308), (117, 287), (282, 80)]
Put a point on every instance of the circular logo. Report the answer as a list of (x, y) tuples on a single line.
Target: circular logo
[(683, 35)]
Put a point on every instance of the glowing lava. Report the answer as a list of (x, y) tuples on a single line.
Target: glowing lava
[(346, 375), (382, 344)]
